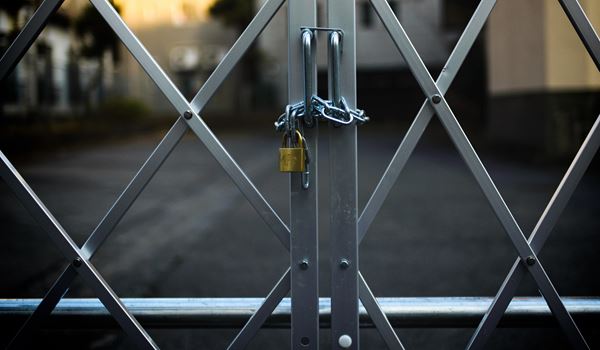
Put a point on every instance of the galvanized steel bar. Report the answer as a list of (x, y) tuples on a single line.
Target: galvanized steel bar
[(27, 36), (259, 317), (414, 133), (70, 250), (378, 316), (135, 187), (584, 28), (256, 199), (485, 182), (153, 163), (106, 225), (43, 310), (211, 313), (155, 160), (304, 262), (343, 179), (538, 237)]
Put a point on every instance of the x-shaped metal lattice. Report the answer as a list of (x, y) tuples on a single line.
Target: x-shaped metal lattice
[(436, 103), (189, 118)]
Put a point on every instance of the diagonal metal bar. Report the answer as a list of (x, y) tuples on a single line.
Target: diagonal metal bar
[(584, 28), (135, 188), (479, 171), (70, 250), (197, 125), (105, 227), (27, 36), (538, 237), (151, 166), (402, 155), (414, 133), (377, 315), (255, 322)]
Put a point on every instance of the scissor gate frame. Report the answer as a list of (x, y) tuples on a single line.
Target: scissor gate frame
[(347, 227)]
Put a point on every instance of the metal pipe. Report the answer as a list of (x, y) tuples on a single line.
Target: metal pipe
[(438, 312), (309, 91), (335, 55), (309, 77)]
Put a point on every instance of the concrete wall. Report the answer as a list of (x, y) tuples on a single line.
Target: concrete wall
[(568, 64), (209, 39), (516, 46), (165, 27), (544, 88), (532, 47)]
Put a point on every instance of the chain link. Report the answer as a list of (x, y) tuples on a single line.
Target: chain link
[(321, 110)]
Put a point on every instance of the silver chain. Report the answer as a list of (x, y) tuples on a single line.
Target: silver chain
[(321, 110)]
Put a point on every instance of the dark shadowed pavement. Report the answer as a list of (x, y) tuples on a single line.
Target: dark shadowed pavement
[(192, 234)]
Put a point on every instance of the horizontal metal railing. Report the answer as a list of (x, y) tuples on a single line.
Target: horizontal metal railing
[(437, 312), (250, 313)]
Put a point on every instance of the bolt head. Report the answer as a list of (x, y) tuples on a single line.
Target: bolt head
[(304, 264), (345, 341), (344, 264), (530, 260), (188, 115), (436, 99), (77, 262)]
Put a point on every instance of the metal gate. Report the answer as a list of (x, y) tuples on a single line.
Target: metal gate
[(348, 228)]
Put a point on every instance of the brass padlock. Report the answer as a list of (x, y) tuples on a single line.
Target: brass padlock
[(292, 159)]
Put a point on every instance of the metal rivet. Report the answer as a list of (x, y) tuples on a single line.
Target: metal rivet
[(304, 264), (188, 115), (344, 264), (436, 99), (345, 341), (530, 260), (305, 341), (77, 262)]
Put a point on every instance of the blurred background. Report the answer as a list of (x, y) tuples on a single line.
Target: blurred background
[(78, 117)]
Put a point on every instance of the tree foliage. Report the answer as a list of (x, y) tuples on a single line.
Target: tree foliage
[(233, 13), (13, 7), (96, 36)]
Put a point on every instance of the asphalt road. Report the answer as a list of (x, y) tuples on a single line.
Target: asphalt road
[(192, 234)]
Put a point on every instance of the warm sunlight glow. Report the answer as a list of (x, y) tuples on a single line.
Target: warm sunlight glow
[(143, 13)]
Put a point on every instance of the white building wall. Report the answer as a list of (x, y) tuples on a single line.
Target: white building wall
[(210, 39), (422, 20), (60, 42)]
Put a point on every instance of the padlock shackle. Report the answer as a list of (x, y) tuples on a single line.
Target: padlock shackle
[(335, 54), (309, 73), (299, 136)]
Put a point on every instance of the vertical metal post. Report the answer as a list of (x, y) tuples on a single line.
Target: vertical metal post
[(343, 180), (303, 201)]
